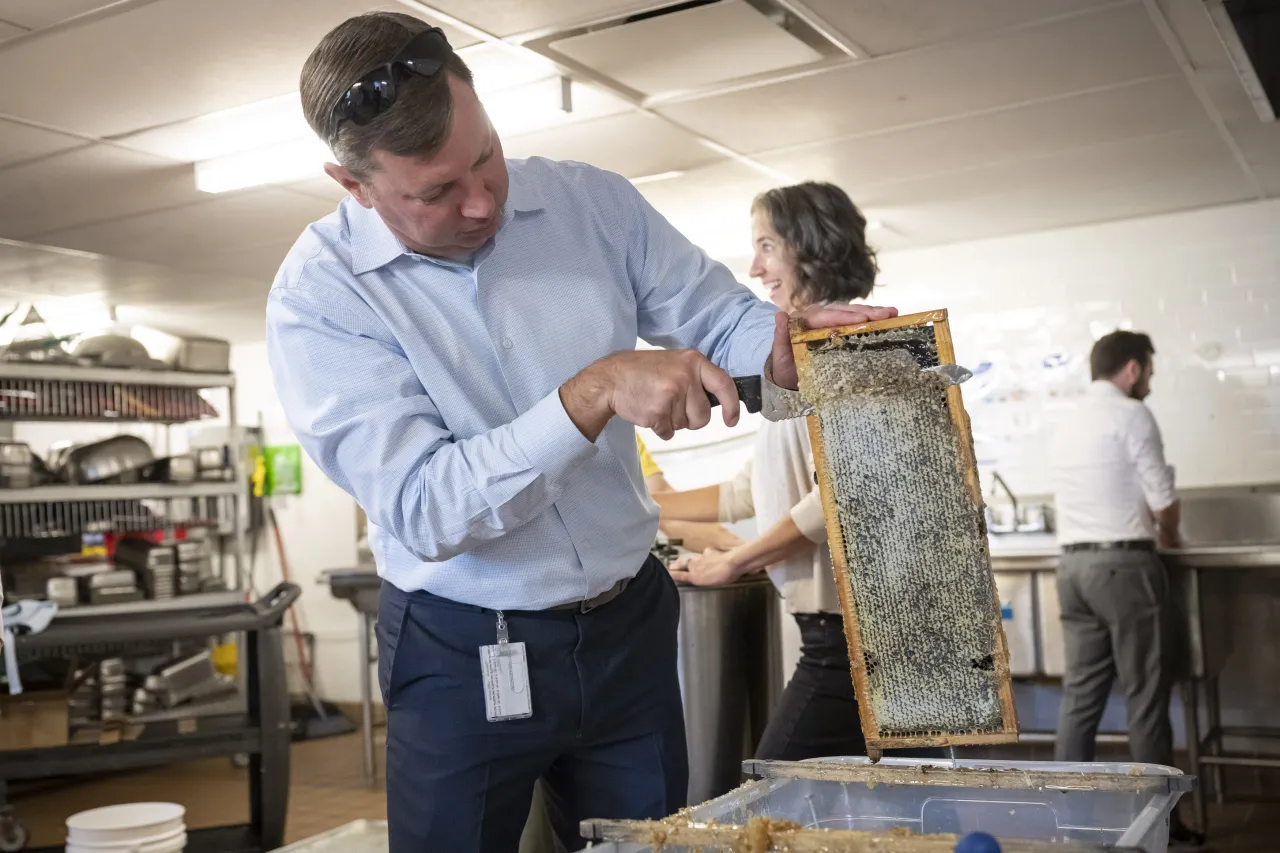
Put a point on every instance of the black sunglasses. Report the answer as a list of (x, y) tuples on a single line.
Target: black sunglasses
[(375, 92)]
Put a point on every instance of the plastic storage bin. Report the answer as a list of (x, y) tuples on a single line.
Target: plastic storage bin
[(1028, 804)]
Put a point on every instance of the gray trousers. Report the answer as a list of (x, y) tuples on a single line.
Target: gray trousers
[(1118, 621)]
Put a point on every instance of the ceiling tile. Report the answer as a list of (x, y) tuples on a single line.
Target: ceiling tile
[(324, 187), (889, 26), (690, 49), (38, 271), (38, 14), (164, 62), (96, 183), (8, 31), (1135, 178), (186, 237), (1260, 145), (19, 142), (1109, 47), (632, 144), (505, 18), (1146, 109), (712, 205)]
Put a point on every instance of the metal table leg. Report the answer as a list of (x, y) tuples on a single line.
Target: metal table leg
[(366, 698), (1191, 696), (1213, 740), (1190, 713)]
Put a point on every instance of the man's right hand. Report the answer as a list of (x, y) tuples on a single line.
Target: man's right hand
[(661, 390)]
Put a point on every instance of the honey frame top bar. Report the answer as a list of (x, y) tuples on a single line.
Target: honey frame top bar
[(802, 334)]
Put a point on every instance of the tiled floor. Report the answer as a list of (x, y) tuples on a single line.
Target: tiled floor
[(328, 791)]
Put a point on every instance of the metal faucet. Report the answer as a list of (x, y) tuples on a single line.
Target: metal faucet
[(999, 481)]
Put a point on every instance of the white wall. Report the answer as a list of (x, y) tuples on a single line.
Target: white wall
[(1025, 311)]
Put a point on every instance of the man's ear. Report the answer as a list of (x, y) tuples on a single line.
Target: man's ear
[(348, 182)]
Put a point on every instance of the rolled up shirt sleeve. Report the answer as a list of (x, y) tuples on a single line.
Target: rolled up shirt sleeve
[(808, 516), (361, 413), (736, 502), (1146, 448)]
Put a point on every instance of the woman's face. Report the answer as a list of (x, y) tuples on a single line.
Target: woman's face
[(773, 263)]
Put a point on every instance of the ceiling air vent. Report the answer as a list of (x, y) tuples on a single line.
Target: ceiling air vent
[(691, 45), (1250, 30)]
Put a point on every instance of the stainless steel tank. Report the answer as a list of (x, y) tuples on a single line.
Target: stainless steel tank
[(730, 677)]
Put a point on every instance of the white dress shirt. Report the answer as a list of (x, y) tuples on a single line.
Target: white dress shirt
[(776, 483), (1109, 472)]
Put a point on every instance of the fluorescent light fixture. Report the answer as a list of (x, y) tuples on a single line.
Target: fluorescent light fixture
[(282, 163), (875, 225), (660, 176)]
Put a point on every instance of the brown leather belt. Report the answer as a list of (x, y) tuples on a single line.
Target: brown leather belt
[(598, 601)]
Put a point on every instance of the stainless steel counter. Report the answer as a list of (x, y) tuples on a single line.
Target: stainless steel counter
[(1234, 628)]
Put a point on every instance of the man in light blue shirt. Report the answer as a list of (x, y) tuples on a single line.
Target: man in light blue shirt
[(454, 347)]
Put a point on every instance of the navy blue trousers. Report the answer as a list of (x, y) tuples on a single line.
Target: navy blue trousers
[(607, 731)]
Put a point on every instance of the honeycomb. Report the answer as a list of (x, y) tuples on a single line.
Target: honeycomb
[(914, 542)]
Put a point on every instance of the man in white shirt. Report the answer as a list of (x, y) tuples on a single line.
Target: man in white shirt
[(1115, 503)]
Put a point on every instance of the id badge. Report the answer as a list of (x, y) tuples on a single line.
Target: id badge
[(504, 671)]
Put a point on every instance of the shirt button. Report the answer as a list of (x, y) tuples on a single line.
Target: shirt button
[(506, 343)]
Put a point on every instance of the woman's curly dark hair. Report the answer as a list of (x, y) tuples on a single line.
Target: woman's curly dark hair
[(827, 236)]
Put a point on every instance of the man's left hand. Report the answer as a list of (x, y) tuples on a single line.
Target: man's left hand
[(815, 317), (710, 568)]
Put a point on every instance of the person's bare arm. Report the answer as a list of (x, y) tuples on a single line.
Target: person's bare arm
[(696, 535), (720, 567), (692, 505), (1168, 521)]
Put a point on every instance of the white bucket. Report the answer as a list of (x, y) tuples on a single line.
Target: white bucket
[(128, 828), (174, 842)]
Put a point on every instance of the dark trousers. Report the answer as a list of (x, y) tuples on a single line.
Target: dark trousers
[(606, 735), (1118, 622), (817, 715)]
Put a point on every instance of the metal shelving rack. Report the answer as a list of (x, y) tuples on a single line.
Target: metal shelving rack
[(258, 727), (68, 393)]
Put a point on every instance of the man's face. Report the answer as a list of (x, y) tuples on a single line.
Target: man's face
[(1135, 378), (447, 205), (1142, 386)]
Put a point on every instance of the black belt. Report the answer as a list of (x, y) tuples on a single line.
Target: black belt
[(598, 601), (1123, 545)]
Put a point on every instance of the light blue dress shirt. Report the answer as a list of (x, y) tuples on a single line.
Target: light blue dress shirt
[(429, 390)]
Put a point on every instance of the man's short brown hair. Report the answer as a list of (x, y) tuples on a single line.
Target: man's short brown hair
[(1112, 352), (416, 125)]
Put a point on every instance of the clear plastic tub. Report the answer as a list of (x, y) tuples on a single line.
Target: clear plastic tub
[(1100, 806)]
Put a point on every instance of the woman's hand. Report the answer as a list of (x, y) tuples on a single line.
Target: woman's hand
[(710, 568)]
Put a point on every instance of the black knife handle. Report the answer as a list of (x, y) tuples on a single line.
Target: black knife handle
[(749, 393)]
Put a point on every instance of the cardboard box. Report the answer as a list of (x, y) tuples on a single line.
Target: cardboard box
[(33, 720)]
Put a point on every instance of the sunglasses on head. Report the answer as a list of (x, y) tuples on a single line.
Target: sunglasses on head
[(375, 92)]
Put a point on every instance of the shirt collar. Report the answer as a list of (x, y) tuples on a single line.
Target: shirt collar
[(1105, 388), (373, 245)]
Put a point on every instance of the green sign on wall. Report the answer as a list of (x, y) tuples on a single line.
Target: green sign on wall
[(284, 470)]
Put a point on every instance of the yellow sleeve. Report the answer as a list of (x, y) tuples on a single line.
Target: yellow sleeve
[(647, 466)]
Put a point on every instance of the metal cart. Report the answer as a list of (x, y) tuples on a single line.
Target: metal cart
[(262, 732)]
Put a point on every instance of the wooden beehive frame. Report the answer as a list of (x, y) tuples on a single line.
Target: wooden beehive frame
[(800, 339)]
